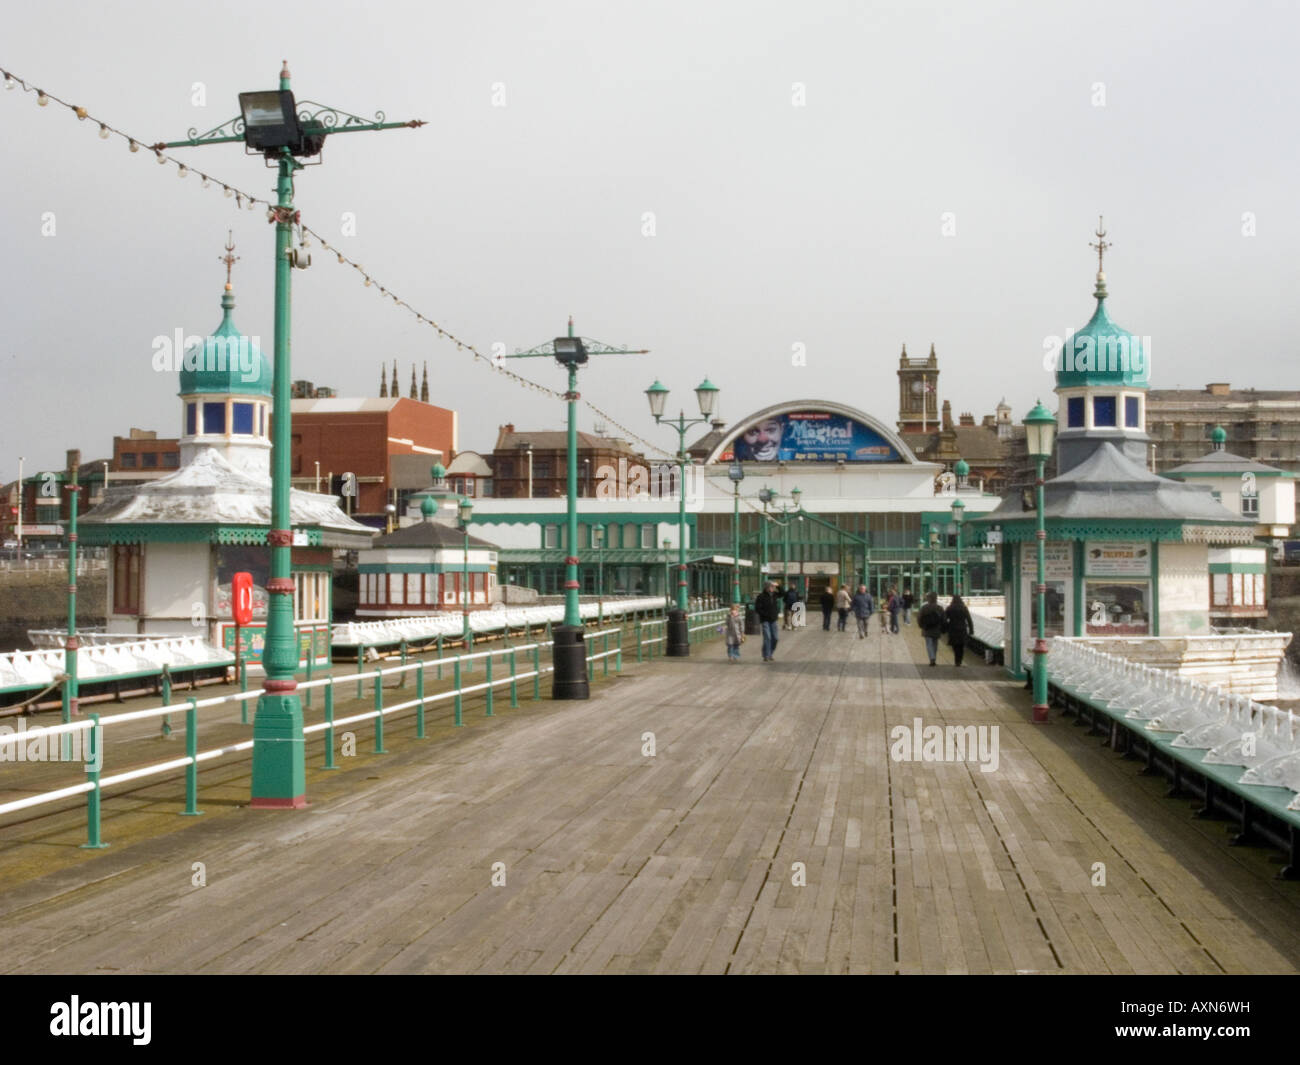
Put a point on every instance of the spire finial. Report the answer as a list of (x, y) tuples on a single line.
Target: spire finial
[(230, 258), (1101, 245)]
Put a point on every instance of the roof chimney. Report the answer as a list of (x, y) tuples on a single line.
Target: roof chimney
[(1218, 388)]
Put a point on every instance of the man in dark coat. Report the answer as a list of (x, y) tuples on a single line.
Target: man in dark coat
[(828, 604), (768, 608), (932, 621), (960, 626), (863, 606)]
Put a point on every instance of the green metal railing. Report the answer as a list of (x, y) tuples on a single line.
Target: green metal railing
[(500, 668)]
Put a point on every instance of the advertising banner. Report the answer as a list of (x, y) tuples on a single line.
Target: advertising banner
[(810, 436)]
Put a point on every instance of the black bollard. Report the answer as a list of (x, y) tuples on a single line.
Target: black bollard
[(678, 635), (751, 621), (569, 655)]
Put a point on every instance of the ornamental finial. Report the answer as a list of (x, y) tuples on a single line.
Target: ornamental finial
[(1101, 245), (230, 258)]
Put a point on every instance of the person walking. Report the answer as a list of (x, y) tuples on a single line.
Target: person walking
[(863, 608), (791, 597), (768, 608), (958, 620), (931, 619), (843, 602), (828, 604), (908, 601), (895, 605), (735, 630)]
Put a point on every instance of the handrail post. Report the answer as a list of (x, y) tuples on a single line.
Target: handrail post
[(311, 662), (638, 641), (456, 682), (469, 650), (440, 656), (192, 753), (618, 658), (329, 727), (93, 764), (537, 671), (361, 658), (604, 659), (514, 685), (489, 686), (379, 717), (419, 710), (166, 686)]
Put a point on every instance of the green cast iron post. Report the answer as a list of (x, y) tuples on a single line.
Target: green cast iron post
[(279, 767), (1040, 598)]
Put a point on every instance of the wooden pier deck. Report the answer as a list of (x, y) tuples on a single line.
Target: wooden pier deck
[(770, 832)]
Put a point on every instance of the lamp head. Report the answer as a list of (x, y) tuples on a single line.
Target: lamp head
[(707, 394), (658, 396)]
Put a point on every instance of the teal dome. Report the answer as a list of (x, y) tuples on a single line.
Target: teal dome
[(1103, 353), (428, 507), (228, 361), (961, 468)]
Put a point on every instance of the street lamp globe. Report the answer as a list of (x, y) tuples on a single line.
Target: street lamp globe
[(658, 396), (736, 472), (958, 509), (1040, 432), (707, 394), (795, 495), (464, 509)]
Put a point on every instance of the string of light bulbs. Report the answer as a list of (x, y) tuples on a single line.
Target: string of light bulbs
[(244, 199)]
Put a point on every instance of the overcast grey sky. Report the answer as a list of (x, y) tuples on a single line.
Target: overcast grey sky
[(775, 224)]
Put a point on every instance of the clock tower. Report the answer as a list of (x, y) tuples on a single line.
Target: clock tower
[(918, 393)]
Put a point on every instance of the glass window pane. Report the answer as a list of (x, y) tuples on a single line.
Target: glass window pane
[(214, 417), (1074, 412), (241, 418), (1103, 410), (191, 418), (1131, 418)]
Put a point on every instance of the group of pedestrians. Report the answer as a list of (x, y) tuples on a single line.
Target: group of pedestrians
[(935, 621)]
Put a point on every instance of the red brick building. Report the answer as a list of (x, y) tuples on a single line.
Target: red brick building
[(335, 436)]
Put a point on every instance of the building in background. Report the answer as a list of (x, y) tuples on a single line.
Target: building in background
[(142, 456), (1260, 425), (533, 465), (387, 446)]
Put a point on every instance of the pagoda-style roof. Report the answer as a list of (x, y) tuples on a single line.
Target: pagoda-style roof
[(209, 499), (1225, 464), (1108, 495), (430, 534)]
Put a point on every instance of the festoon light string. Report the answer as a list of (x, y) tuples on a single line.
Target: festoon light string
[(243, 198)]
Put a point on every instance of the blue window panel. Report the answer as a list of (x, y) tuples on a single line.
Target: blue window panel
[(261, 419), (1074, 412), (241, 418), (214, 417), (1131, 413), (1103, 410), (191, 418)]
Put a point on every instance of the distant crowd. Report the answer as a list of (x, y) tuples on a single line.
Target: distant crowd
[(775, 603)]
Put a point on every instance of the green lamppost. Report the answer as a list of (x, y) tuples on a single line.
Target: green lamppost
[(464, 511), (568, 648), (598, 542), (958, 511), (274, 125), (737, 474), (70, 700), (677, 644), (1040, 432)]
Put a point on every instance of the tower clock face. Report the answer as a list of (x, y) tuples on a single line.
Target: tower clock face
[(916, 387)]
